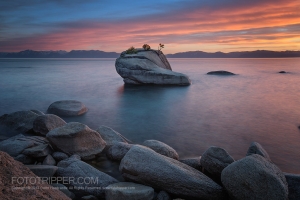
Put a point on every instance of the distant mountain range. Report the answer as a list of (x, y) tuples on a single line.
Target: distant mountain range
[(189, 54)]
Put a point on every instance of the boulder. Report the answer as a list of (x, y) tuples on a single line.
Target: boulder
[(254, 177), (293, 181), (221, 72), (58, 156), (215, 159), (43, 170), (38, 151), (76, 138), (118, 151), (127, 190), (162, 195), (49, 160), (15, 175), (37, 112), (110, 136), (27, 160), (63, 189), (148, 67), (67, 108), (45, 123), (21, 121), (161, 148), (282, 72), (193, 162), (94, 180), (145, 166), (256, 148)]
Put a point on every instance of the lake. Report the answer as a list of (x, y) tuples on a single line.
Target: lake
[(258, 104)]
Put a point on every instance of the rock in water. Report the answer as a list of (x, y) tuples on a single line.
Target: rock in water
[(254, 177), (127, 190), (110, 136), (161, 148), (256, 148), (221, 72), (148, 67), (145, 166), (76, 138), (45, 123), (86, 179), (67, 108)]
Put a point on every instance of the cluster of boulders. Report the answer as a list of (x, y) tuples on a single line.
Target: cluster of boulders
[(50, 147)]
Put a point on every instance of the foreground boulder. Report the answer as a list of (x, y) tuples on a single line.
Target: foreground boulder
[(253, 177), (161, 148), (256, 148), (118, 151), (293, 181), (76, 138), (21, 121), (148, 67), (13, 177), (94, 180), (145, 166), (110, 136), (127, 190), (221, 72), (215, 159), (45, 123), (67, 108)]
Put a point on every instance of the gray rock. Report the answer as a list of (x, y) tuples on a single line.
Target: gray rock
[(162, 195), (37, 112), (26, 160), (14, 146), (161, 148), (49, 160), (76, 138), (193, 162), (43, 170), (148, 67), (89, 197), (110, 136), (293, 181), (95, 180), (67, 108), (38, 151), (221, 72), (145, 166), (127, 190), (63, 189), (21, 121), (45, 123), (256, 148), (58, 156), (282, 72), (254, 177), (118, 151), (215, 159)]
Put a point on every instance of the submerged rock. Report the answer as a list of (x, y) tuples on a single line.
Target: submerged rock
[(256, 148), (45, 123), (67, 108), (221, 72), (161, 148), (254, 177), (282, 72), (148, 67), (145, 166), (76, 138)]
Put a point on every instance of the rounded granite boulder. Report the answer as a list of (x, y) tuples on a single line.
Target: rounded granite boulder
[(67, 108)]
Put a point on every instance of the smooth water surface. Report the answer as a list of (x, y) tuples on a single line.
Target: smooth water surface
[(258, 104)]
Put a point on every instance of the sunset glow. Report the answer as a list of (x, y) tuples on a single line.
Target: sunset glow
[(181, 25)]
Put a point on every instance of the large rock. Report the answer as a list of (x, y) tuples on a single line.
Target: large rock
[(58, 156), (148, 67), (45, 123), (293, 181), (93, 181), (256, 148), (43, 170), (253, 177), (127, 190), (193, 162), (38, 151), (215, 159), (21, 121), (76, 138), (49, 160), (18, 182), (118, 151), (67, 108), (161, 148), (145, 166), (110, 136)]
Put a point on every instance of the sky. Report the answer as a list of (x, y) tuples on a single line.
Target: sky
[(182, 25)]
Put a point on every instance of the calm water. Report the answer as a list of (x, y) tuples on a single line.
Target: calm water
[(230, 112)]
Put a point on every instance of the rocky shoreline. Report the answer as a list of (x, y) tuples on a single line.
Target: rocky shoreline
[(50, 147)]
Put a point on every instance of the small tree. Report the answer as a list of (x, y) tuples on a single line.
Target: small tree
[(131, 50), (146, 47), (160, 46)]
